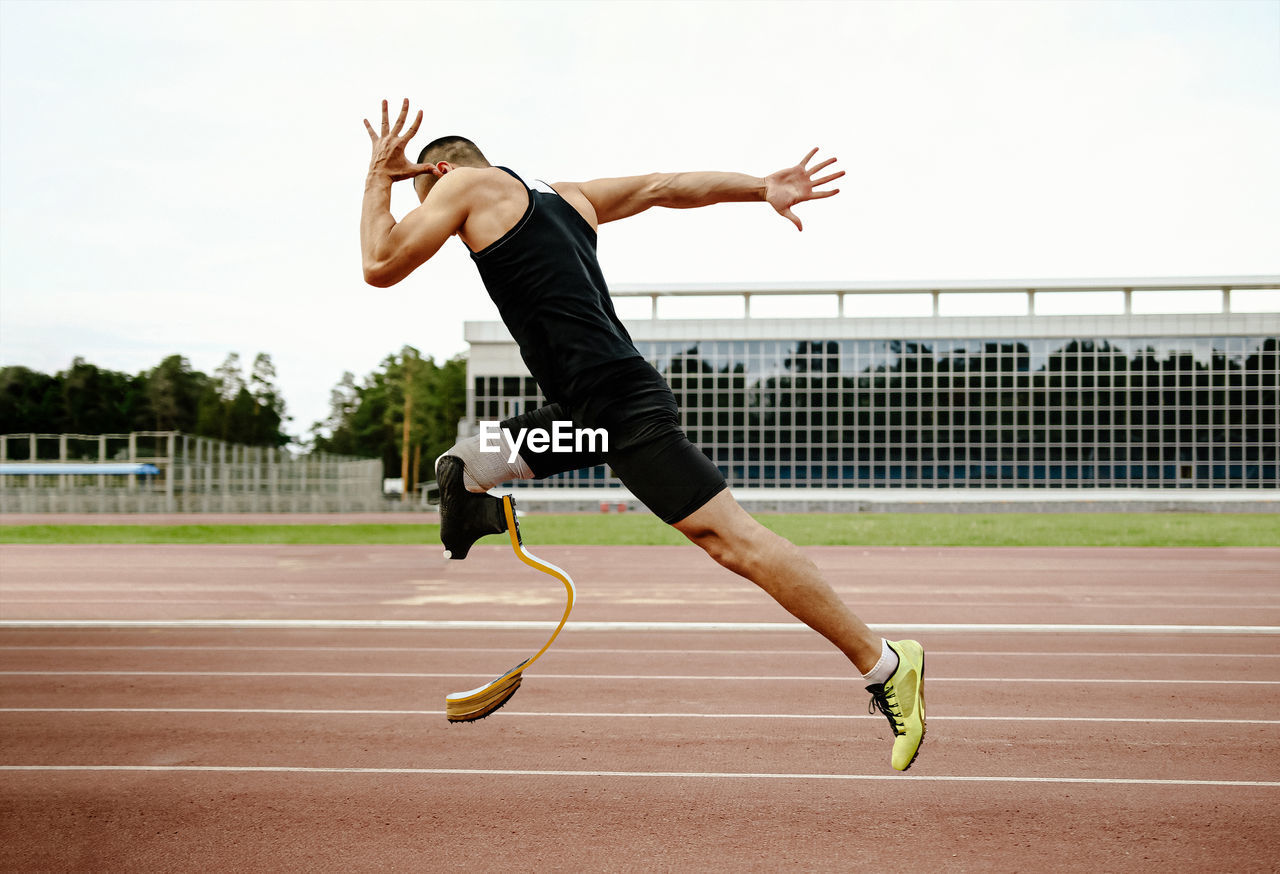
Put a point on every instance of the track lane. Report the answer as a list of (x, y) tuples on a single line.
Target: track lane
[(1173, 751), (272, 652), (380, 822), (615, 818)]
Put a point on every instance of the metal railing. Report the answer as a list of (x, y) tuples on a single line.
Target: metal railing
[(937, 289)]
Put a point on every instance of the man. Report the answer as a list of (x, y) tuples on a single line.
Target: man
[(535, 250)]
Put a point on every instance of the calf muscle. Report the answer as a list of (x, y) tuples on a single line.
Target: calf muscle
[(741, 544)]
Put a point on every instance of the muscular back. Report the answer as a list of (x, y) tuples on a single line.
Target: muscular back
[(540, 268), (497, 201)]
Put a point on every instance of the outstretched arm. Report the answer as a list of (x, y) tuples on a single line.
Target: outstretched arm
[(391, 251), (619, 198)]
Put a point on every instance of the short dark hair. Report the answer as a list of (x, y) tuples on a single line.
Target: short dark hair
[(455, 150)]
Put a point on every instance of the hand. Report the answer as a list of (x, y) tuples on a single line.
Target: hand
[(388, 149), (793, 185)]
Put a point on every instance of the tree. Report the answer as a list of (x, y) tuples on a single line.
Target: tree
[(368, 418), (87, 399), (240, 419), (173, 390), (210, 415), (249, 413), (98, 401), (269, 407), (29, 401), (344, 401), (228, 377)]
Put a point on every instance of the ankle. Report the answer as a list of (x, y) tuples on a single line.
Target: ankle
[(482, 470), (884, 668)]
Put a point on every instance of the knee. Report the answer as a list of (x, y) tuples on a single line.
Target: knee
[(730, 551)]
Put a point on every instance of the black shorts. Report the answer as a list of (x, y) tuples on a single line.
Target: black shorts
[(648, 451)]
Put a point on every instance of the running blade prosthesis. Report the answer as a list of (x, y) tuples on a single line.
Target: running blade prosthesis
[(479, 703)]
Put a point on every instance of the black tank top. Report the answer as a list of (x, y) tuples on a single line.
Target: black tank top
[(546, 280)]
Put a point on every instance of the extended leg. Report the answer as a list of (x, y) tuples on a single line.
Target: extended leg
[(734, 539), (894, 671)]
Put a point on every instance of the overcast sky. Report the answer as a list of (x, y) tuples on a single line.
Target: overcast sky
[(186, 177)]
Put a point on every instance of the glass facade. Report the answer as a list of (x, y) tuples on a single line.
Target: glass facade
[(1196, 412)]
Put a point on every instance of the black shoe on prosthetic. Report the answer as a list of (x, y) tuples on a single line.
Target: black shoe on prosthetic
[(465, 516)]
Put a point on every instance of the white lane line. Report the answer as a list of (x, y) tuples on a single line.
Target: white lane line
[(180, 600), (643, 626), (565, 650), (506, 714), (295, 602), (753, 678), (679, 775)]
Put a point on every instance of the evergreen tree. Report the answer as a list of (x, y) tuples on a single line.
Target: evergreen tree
[(101, 401), (269, 410), (240, 419), (29, 401), (344, 400), (368, 418), (86, 399), (173, 390), (229, 378)]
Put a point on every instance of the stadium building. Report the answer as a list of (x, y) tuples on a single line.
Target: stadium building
[(1081, 390)]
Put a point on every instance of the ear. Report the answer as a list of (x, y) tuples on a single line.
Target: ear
[(443, 167)]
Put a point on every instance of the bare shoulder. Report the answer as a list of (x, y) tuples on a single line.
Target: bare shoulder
[(493, 202), (618, 197), (577, 198), (476, 190), (472, 181)]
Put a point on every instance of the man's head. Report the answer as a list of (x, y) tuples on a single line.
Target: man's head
[(446, 153)]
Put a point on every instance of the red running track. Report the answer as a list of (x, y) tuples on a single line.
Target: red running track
[(694, 747)]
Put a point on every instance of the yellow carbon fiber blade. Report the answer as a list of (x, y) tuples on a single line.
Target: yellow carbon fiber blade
[(480, 702)]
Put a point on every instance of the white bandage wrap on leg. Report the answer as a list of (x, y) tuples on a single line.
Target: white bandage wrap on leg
[(482, 471), (880, 674)]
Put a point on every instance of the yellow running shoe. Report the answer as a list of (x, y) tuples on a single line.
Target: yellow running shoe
[(901, 700)]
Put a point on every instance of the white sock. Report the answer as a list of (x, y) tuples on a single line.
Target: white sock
[(880, 674), (482, 471)]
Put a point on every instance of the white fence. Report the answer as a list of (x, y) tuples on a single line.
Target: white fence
[(73, 473)]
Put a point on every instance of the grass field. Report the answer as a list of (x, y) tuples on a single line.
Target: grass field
[(835, 529)]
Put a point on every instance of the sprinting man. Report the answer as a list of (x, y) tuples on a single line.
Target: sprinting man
[(535, 247)]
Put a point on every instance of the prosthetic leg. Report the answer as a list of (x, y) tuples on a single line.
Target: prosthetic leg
[(479, 703), (465, 517)]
